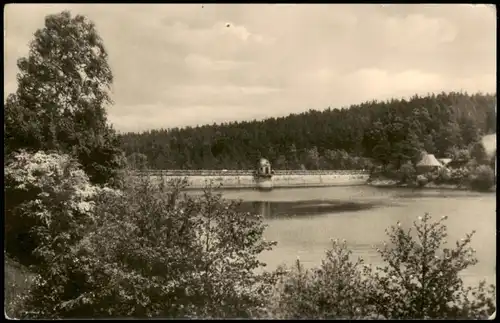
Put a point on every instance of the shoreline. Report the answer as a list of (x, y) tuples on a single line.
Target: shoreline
[(388, 183)]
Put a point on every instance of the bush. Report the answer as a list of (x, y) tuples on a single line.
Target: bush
[(48, 205), (458, 154), (443, 176), (482, 178), (407, 173), (336, 289), (478, 153), (419, 281), (422, 180), (153, 252)]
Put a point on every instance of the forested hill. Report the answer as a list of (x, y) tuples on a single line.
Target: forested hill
[(394, 131)]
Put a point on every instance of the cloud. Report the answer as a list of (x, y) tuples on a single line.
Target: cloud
[(200, 62), (177, 65)]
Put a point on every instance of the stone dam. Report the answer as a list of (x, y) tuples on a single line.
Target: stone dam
[(246, 180)]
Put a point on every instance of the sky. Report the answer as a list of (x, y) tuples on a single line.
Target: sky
[(178, 65)]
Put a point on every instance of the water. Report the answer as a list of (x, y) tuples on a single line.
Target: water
[(303, 221)]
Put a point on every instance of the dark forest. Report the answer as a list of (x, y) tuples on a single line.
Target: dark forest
[(391, 132)]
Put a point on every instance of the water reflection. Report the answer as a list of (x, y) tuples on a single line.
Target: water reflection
[(275, 209), (303, 221)]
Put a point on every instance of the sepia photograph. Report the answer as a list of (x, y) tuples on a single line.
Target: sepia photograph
[(250, 161)]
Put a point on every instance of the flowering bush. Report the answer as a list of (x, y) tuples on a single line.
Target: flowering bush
[(152, 252), (49, 202)]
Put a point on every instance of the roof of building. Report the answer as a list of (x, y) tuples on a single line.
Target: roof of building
[(429, 160), (445, 161), (264, 162)]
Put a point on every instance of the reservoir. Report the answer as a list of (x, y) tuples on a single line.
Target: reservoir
[(303, 220)]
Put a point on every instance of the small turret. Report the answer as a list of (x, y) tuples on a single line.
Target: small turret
[(263, 175), (264, 167)]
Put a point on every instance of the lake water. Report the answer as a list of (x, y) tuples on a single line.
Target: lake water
[(303, 221)]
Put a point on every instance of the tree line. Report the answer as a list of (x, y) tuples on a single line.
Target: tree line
[(389, 132)]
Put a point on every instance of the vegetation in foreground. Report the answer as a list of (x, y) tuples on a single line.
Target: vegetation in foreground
[(152, 251), (94, 243), (420, 280)]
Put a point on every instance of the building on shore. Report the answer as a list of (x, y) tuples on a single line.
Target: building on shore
[(428, 163)]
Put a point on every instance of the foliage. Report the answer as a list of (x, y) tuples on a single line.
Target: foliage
[(48, 205), (458, 154), (153, 252), (447, 176), (336, 289), (388, 132), (482, 178), (420, 280), (478, 153), (137, 161), (407, 173), (61, 97)]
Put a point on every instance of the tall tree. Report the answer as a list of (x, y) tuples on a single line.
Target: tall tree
[(63, 90)]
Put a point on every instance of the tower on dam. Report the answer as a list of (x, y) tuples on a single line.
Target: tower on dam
[(264, 175)]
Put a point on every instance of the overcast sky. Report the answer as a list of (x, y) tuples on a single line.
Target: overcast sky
[(177, 65)]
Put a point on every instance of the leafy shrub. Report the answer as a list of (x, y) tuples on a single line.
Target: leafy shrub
[(431, 176), (336, 289), (407, 173), (422, 180), (456, 153), (153, 252), (482, 178), (420, 280), (478, 153), (443, 176), (459, 176)]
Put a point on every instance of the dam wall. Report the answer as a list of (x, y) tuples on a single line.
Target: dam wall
[(281, 179)]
